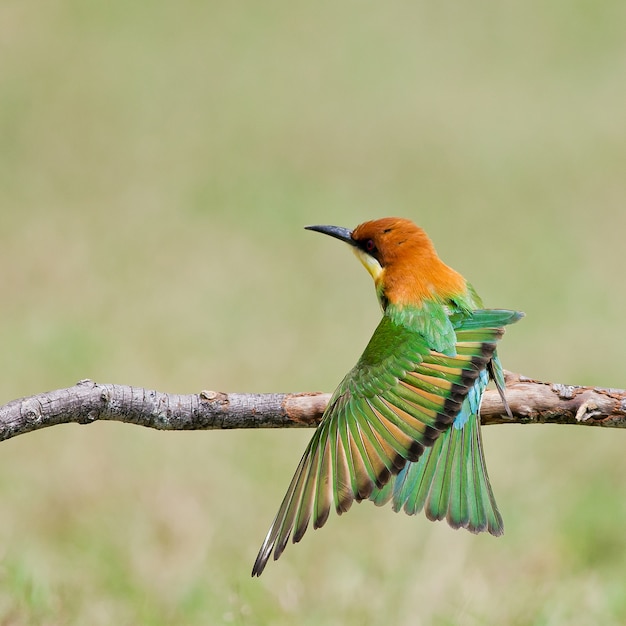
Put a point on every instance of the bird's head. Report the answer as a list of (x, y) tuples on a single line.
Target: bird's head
[(400, 257), (384, 243)]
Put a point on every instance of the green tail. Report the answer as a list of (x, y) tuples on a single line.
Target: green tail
[(450, 480)]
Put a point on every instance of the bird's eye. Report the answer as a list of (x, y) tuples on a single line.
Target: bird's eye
[(369, 245)]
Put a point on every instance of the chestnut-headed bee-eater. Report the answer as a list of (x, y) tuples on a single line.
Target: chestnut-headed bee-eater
[(404, 423)]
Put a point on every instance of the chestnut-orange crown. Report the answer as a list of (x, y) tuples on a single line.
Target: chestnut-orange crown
[(395, 239), (411, 269)]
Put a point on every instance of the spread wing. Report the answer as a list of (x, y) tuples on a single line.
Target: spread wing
[(393, 404)]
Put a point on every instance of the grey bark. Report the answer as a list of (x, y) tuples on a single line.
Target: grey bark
[(531, 402)]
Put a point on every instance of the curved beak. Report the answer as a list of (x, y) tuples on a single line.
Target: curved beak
[(338, 232)]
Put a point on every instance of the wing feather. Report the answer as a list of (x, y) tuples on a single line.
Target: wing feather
[(324, 491), (343, 492)]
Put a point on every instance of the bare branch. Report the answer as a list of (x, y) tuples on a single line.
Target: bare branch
[(531, 402)]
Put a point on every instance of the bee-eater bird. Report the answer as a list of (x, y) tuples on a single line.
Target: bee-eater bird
[(404, 423)]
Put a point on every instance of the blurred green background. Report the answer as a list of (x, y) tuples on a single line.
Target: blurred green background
[(158, 161)]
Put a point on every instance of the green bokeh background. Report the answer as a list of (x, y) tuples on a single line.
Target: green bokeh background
[(157, 163)]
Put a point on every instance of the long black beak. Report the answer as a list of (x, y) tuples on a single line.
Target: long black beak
[(337, 232)]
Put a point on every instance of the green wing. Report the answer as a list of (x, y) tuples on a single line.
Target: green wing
[(450, 479), (396, 401)]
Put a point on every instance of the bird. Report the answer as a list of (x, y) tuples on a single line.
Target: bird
[(404, 424)]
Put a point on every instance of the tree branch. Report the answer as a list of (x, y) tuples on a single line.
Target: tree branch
[(531, 402)]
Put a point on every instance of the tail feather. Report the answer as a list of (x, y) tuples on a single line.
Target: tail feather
[(449, 481)]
